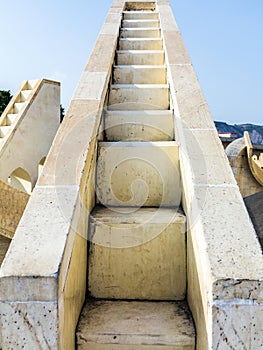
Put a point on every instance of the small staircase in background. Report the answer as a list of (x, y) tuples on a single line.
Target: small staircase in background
[(137, 250), (16, 106)]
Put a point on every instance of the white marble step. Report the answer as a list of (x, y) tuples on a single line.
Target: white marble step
[(122, 325), (18, 106), (24, 94), (140, 33), (139, 97), (142, 174), (139, 125), (140, 57), (140, 23), (140, 15), (4, 130), (32, 83), (11, 118), (142, 74), (137, 253), (140, 44)]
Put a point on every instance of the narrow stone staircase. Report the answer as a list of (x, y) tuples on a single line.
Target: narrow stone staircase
[(16, 106), (137, 234)]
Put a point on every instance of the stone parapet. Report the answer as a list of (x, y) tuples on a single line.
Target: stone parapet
[(225, 262)]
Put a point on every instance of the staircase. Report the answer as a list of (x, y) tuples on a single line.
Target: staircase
[(15, 108), (137, 234)]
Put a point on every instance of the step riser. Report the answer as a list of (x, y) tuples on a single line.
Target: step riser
[(138, 174), (141, 16), (141, 126), (133, 44), (119, 250), (4, 130), (139, 98), (24, 95), (132, 75), (136, 58), (18, 107), (140, 24), (10, 119), (140, 33)]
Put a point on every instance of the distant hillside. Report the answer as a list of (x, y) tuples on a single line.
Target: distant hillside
[(255, 131)]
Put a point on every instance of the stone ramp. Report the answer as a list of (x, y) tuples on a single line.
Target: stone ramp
[(122, 325)]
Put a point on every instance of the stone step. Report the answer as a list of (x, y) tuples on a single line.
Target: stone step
[(139, 125), (11, 118), (140, 15), (138, 174), (143, 74), (32, 83), (140, 23), (139, 96), (140, 44), (18, 106), (140, 33), (4, 130), (140, 57), (122, 325), (137, 253), (24, 94)]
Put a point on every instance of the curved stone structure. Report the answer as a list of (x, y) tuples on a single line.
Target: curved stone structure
[(255, 162), (241, 163)]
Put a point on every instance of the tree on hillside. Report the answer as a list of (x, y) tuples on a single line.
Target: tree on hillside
[(5, 97)]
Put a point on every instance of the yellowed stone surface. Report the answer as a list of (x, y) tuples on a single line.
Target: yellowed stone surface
[(137, 254), (135, 326), (139, 97), (138, 174), (139, 125), (12, 206), (4, 245)]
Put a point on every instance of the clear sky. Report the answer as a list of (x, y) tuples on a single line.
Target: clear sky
[(53, 39)]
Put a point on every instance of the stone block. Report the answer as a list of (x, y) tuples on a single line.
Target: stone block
[(136, 23), (185, 89), (140, 57), (206, 158), (139, 75), (133, 15), (138, 174), (140, 33), (139, 97), (139, 125), (135, 325), (29, 325), (140, 44), (137, 254), (91, 86)]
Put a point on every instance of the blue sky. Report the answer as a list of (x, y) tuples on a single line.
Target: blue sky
[(53, 39)]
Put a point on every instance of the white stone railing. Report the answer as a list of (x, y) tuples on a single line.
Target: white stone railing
[(225, 262)]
